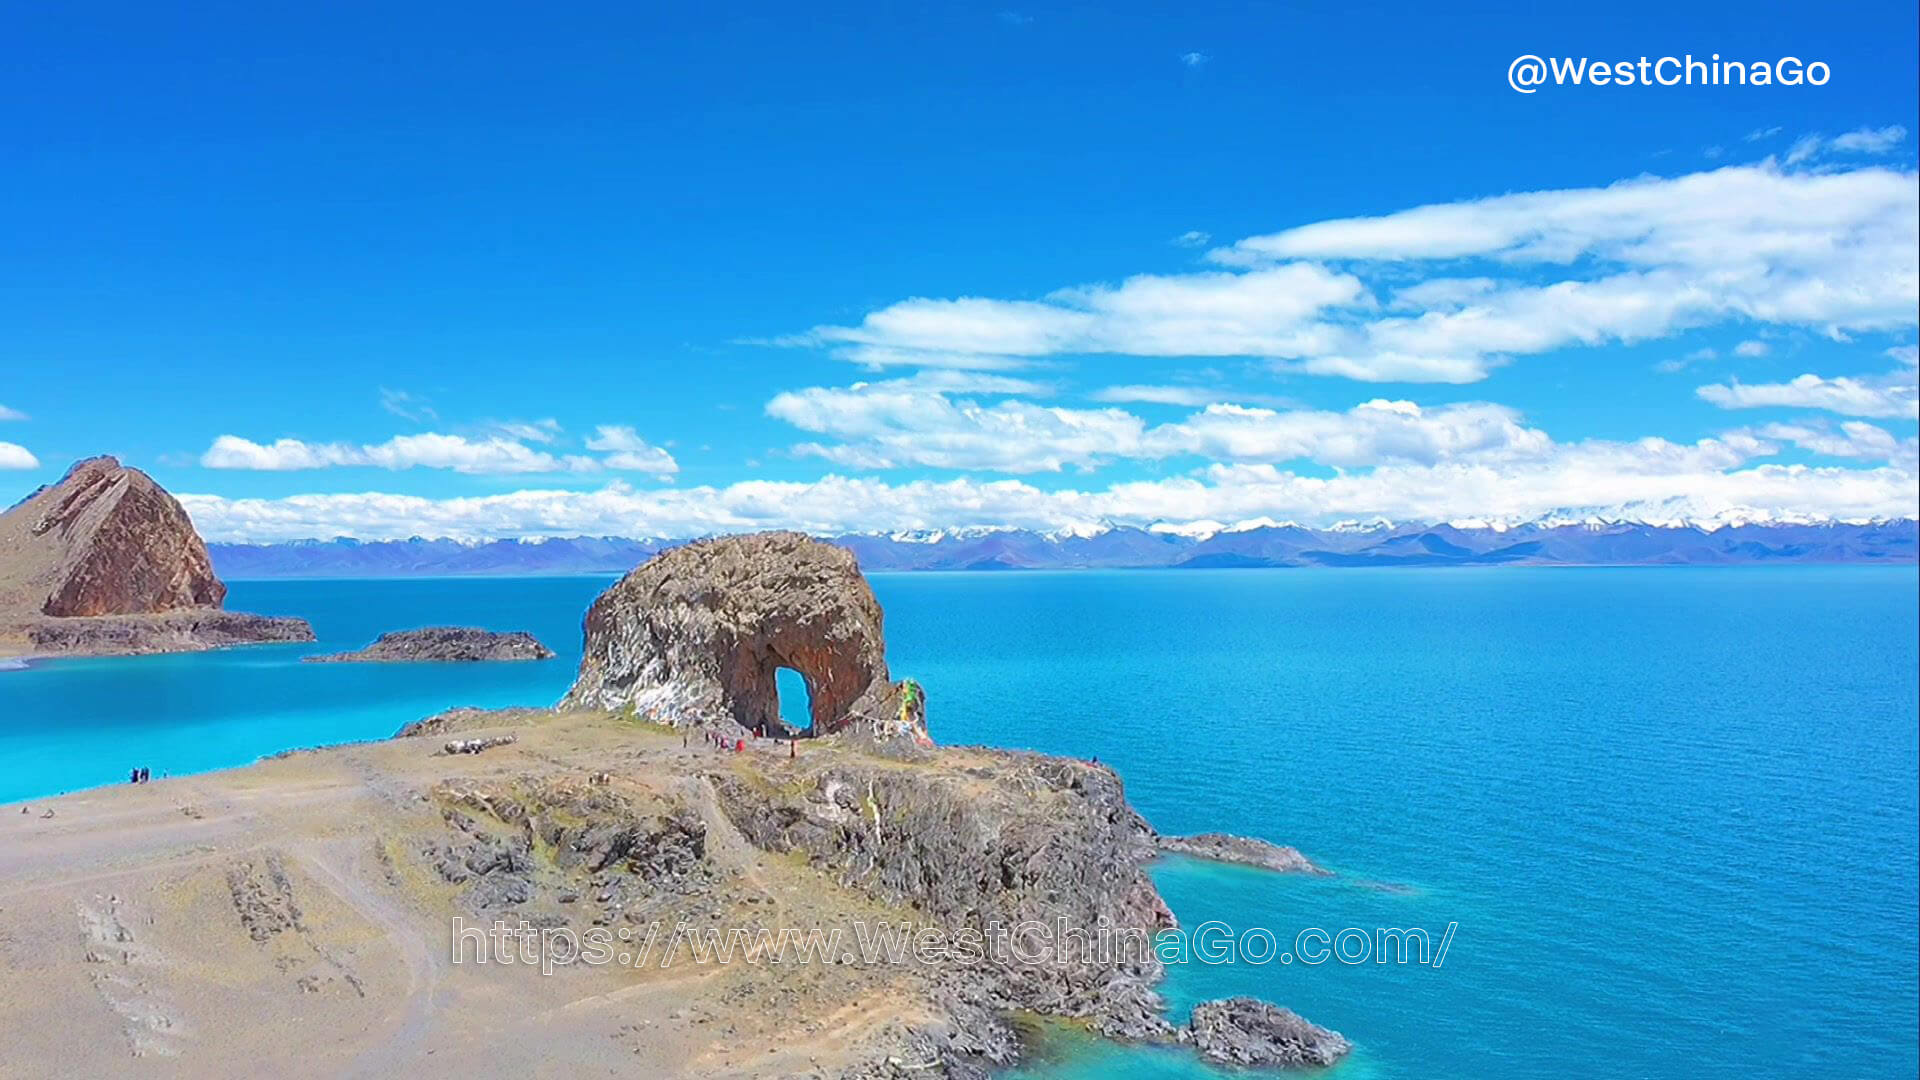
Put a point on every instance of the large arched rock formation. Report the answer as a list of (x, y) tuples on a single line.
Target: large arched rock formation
[(695, 635)]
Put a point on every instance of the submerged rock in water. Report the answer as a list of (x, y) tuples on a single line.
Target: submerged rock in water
[(445, 643), (1249, 1032), (1224, 847), (695, 635)]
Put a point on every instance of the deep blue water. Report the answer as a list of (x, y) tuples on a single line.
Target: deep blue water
[(1672, 811)]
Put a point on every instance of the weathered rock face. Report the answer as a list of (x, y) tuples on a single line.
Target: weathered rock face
[(445, 643), (988, 843), (105, 540), (695, 635), (174, 631), (106, 562), (1249, 1032), (1224, 847)]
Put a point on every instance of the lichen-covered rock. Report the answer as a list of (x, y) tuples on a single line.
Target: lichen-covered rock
[(445, 643), (695, 635), (1248, 1032)]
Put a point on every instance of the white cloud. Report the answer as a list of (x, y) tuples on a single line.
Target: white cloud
[(1860, 141), (1267, 312), (15, 456), (1372, 433), (538, 431), (1890, 396), (1751, 349), (1675, 365), (1160, 395), (885, 427), (495, 455), (626, 450), (407, 406), (11, 414), (1194, 59), (1870, 140), (1758, 134), (1643, 259), (1444, 293), (1853, 439), (965, 382), (1703, 478), (889, 427), (1193, 238), (1803, 149)]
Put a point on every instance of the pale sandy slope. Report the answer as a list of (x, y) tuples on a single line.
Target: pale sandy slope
[(147, 931)]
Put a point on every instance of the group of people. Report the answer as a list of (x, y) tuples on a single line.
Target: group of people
[(718, 741), (721, 742), (139, 776)]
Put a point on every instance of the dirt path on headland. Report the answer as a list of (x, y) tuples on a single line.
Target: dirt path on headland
[(290, 919)]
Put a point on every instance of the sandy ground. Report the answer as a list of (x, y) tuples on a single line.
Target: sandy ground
[(278, 920)]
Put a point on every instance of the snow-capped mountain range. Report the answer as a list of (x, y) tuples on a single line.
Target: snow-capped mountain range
[(1643, 536)]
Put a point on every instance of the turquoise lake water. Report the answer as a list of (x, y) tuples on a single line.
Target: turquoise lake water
[(1672, 811)]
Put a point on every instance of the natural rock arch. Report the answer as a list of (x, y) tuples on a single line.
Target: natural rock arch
[(695, 635)]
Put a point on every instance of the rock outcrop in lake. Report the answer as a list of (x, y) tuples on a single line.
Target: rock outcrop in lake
[(444, 643), (105, 561), (694, 636), (1245, 850), (1249, 1032)]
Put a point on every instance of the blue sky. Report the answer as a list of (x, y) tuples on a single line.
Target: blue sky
[(474, 271)]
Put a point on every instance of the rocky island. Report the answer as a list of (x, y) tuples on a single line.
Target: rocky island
[(298, 915), (444, 643), (105, 562)]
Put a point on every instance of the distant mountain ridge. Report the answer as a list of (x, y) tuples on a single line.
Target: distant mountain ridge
[(1555, 542)]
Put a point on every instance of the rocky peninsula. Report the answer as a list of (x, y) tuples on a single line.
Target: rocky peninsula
[(444, 643), (297, 915), (105, 562), (1245, 850)]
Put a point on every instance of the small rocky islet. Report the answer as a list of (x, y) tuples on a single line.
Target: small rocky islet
[(443, 643), (649, 794)]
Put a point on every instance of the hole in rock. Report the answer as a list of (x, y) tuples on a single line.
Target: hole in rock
[(796, 700)]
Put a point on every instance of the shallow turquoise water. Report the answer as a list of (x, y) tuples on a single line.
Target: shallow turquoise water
[(1672, 811)]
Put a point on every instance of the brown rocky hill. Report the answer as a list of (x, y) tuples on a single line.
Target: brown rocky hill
[(109, 547)]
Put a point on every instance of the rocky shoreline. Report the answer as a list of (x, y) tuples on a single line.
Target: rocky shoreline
[(1243, 850), (615, 810), (140, 635), (443, 643), (960, 840)]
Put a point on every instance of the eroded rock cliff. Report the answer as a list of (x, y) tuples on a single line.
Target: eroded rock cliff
[(694, 636), (107, 561)]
